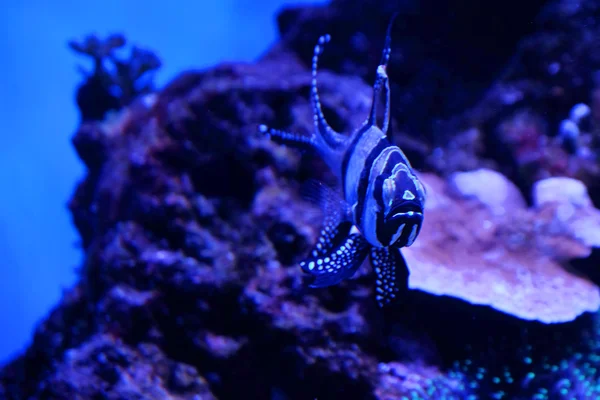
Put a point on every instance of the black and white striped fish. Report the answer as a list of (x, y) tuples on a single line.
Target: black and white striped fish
[(382, 206)]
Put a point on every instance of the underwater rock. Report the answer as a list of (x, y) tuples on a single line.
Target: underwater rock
[(553, 78), (108, 368)]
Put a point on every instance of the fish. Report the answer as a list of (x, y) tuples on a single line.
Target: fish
[(378, 206)]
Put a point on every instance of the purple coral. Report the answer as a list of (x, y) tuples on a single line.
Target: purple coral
[(114, 82)]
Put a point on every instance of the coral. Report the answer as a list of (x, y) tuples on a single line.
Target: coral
[(547, 364), (574, 210), (193, 224), (490, 188), (502, 254), (114, 82)]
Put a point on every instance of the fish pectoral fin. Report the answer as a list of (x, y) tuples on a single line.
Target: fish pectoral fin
[(328, 198), (331, 236), (338, 253), (391, 274), (345, 257), (336, 224)]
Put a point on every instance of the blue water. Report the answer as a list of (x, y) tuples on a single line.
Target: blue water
[(38, 166)]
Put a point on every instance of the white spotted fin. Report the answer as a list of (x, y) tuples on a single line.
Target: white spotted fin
[(391, 272), (339, 263), (338, 252)]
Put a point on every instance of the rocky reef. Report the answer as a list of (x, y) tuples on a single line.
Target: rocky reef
[(193, 224)]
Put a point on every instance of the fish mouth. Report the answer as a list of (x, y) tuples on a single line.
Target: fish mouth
[(409, 214), (407, 211), (407, 217)]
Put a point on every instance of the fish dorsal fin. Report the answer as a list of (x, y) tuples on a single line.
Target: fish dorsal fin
[(381, 87), (331, 138)]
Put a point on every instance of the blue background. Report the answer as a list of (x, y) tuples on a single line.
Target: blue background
[(38, 166)]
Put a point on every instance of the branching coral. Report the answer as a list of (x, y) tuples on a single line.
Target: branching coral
[(114, 81)]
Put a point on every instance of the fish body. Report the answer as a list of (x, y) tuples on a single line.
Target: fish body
[(380, 194)]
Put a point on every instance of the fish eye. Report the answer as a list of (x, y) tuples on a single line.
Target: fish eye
[(408, 195), (404, 204)]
